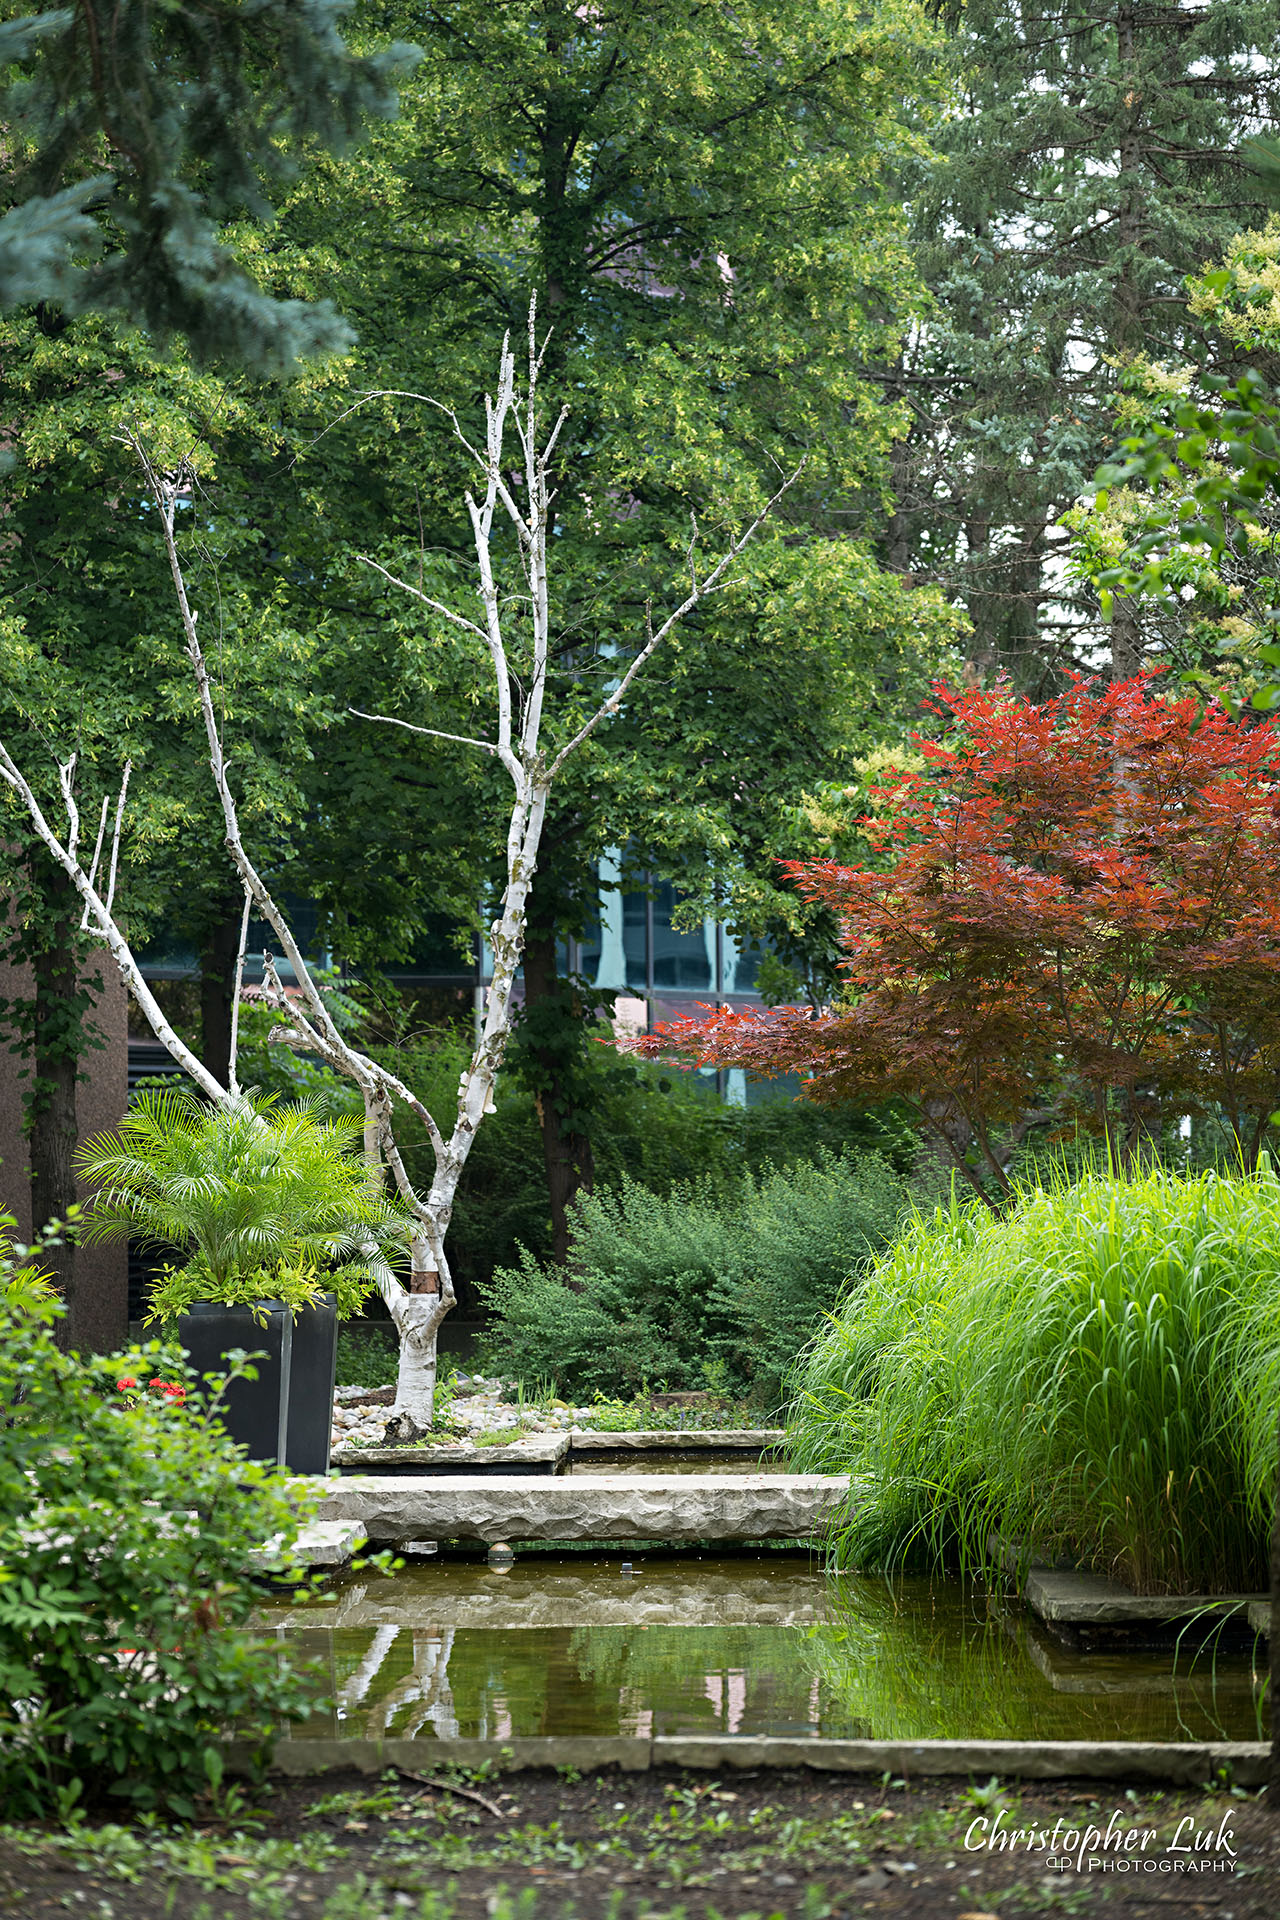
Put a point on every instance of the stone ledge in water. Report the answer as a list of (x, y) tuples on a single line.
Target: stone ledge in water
[(538, 1453), (321, 1543), (1087, 1599), (530, 1596), (681, 1508)]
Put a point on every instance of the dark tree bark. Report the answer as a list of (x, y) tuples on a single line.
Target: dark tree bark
[(567, 1153), (217, 980), (57, 1042)]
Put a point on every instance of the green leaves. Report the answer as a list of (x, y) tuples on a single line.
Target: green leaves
[(266, 1200), (199, 112), (126, 1530)]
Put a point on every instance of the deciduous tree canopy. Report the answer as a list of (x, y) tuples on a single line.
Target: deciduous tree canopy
[(1076, 898)]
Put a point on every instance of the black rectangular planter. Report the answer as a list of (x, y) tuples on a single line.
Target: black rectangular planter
[(254, 1412), (311, 1379)]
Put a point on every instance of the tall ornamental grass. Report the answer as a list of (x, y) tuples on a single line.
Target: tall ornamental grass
[(1095, 1375)]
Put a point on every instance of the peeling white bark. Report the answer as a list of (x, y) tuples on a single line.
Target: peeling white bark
[(418, 1309)]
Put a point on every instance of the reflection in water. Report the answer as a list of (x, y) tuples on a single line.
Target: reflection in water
[(567, 1644)]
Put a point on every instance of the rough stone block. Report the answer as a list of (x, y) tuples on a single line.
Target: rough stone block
[(680, 1508)]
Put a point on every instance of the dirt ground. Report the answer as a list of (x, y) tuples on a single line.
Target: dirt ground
[(662, 1846)]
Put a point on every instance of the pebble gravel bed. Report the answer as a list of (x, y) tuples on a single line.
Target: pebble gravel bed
[(478, 1407)]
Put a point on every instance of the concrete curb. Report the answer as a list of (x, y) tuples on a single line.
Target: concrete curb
[(1192, 1763)]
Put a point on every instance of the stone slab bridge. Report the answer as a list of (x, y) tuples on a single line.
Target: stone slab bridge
[(681, 1508)]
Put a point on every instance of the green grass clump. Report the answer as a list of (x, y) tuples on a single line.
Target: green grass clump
[(1095, 1374)]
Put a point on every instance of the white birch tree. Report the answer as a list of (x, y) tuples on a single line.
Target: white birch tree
[(519, 726)]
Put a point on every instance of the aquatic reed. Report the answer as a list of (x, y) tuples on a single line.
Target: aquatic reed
[(1094, 1375)]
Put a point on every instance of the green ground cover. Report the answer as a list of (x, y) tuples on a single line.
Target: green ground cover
[(1094, 1374), (545, 1846)]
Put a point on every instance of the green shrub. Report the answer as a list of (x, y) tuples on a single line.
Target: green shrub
[(126, 1523), (654, 1125), (689, 1289), (1095, 1374), (367, 1359)]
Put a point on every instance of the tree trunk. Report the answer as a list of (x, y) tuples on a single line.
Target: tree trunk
[(569, 1161), (217, 980), (57, 1042)]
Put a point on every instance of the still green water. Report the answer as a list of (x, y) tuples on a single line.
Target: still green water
[(569, 1644)]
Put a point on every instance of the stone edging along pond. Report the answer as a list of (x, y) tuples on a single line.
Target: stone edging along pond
[(1192, 1763)]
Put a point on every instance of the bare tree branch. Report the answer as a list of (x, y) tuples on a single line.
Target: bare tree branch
[(390, 720), (656, 637), (103, 924), (115, 836), (237, 978), (66, 781), (97, 853)]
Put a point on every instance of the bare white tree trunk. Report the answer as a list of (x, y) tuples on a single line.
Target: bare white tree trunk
[(417, 1309)]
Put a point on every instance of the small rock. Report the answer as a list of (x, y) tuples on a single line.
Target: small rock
[(403, 1430)]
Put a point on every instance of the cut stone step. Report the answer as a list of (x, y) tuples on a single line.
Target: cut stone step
[(1088, 1600), (672, 1440), (541, 1453), (679, 1508)]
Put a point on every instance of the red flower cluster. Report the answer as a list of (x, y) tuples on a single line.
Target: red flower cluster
[(174, 1393)]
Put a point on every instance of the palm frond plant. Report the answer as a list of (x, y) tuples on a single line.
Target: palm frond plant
[(267, 1200), (25, 1286)]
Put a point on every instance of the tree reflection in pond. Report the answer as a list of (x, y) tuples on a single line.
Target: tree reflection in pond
[(565, 1645)]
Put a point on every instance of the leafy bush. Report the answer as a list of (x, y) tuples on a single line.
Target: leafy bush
[(266, 1200), (1095, 1374), (691, 1290), (25, 1285), (126, 1524), (367, 1359)]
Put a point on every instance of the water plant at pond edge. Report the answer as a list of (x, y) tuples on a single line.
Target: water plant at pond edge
[(1094, 1374), (126, 1525)]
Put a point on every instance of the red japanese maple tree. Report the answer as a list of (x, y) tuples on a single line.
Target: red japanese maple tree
[(1079, 898)]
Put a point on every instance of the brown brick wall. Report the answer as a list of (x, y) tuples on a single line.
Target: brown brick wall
[(101, 1272)]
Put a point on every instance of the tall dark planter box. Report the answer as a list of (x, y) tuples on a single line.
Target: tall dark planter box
[(254, 1412), (311, 1379)]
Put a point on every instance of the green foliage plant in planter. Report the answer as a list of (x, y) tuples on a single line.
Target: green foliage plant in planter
[(25, 1285), (278, 1228), (127, 1522)]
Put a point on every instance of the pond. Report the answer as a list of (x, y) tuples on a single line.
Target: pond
[(662, 1643)]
